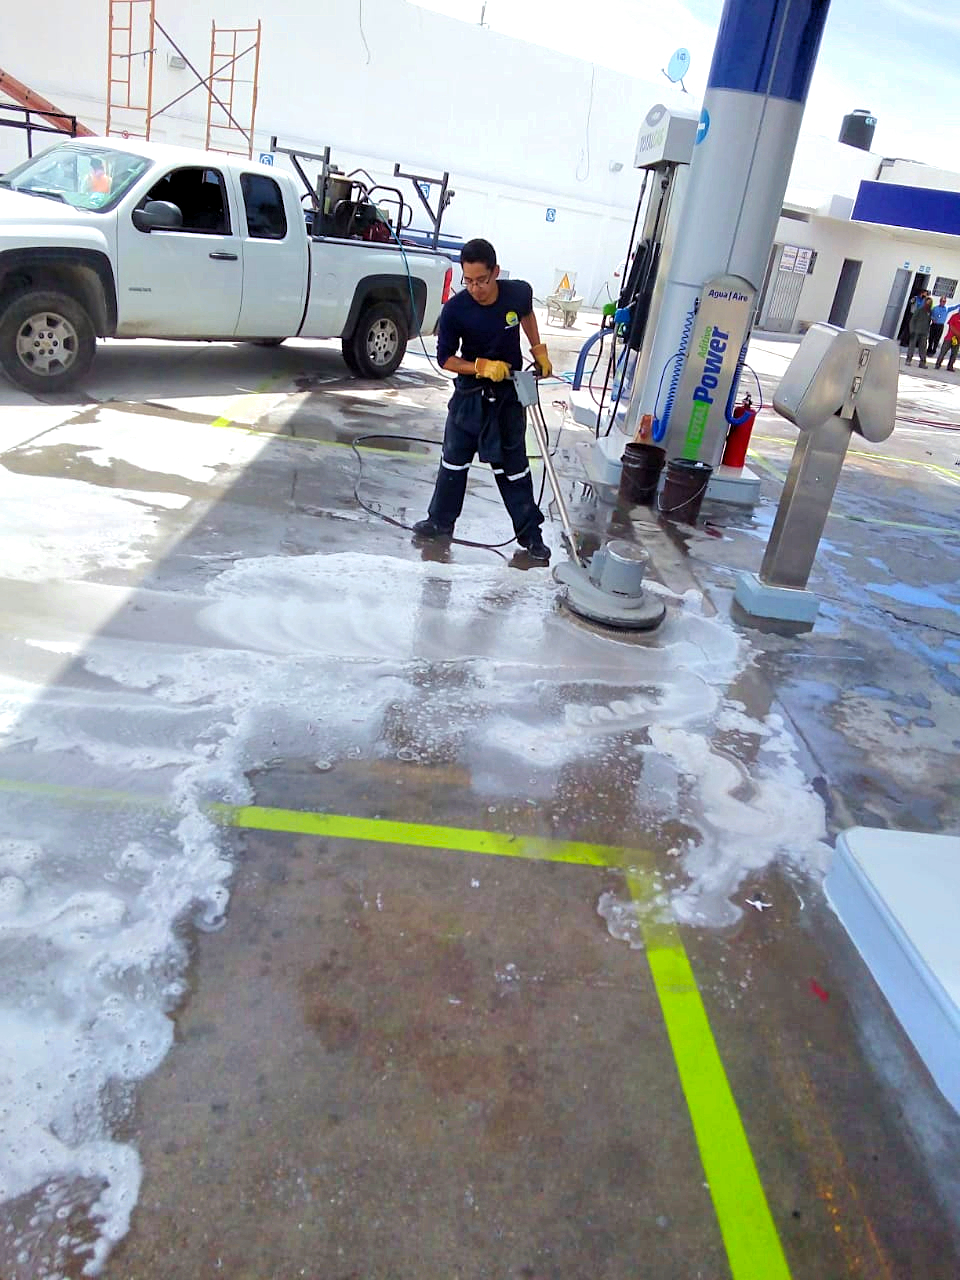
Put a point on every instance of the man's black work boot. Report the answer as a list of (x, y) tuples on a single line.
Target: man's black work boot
[(430, 529), (538, 550)]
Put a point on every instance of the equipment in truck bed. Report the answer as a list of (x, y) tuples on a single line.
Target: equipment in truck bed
[(353, 205)]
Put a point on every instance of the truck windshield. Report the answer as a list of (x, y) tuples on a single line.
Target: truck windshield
[(86, 177)]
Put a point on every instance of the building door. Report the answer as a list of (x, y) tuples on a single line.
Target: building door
[(787, 268), (846, 285), (918, 286), (783, 294), (762, 293), (898, 296)]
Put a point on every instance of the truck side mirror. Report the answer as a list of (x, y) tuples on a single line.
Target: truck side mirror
[(158, 215)]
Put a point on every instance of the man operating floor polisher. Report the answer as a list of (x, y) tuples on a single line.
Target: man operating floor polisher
[(608, 589), (485, 416)]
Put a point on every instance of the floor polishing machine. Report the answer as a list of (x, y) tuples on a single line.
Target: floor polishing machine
[(608, 589)]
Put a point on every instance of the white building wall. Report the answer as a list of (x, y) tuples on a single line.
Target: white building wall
[(880, 250), (521, 129), (823, 167), (910, 173)]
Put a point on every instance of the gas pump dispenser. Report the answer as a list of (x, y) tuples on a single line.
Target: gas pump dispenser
[(664, 150), (715, 251), (682, 346)]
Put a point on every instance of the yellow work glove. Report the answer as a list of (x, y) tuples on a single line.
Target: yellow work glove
[(539, 353), (495, 370)]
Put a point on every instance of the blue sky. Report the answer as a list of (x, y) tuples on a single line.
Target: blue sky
[(884, 55)]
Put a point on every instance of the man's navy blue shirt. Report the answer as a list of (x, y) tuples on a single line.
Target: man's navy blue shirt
[(474, 332)]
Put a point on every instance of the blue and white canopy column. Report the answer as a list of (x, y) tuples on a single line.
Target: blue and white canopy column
[(762, 65)]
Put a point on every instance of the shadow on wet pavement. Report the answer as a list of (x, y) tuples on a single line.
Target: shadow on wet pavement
[(396, 1060)]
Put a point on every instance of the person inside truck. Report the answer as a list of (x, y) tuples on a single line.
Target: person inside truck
[(479, 340), (97, 180)]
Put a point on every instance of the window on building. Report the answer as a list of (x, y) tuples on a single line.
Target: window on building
[(944, 287), (201, 197), (263, 203)]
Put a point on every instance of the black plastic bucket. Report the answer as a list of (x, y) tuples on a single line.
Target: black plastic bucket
[(687, 480), (640, 474)]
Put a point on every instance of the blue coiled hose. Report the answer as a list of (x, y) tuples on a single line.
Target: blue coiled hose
[(660, 424)]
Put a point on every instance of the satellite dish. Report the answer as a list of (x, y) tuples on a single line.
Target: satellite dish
[(677, 68)]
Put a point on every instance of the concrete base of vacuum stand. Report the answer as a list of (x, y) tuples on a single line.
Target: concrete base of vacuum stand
[(896, 893), (602, 462), (736, 485), (781, 603), (583, 409)]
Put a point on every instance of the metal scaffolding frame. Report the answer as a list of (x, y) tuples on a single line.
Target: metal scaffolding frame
[(132, 35), (225, 62), (133, 29)]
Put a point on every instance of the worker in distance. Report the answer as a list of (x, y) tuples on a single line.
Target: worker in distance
[(478, 339)]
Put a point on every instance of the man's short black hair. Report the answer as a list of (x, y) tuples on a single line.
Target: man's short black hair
[(479, 251)]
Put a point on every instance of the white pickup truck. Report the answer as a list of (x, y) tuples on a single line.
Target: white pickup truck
[(129, 239)]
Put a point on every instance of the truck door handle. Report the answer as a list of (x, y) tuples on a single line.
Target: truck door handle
[(224, 257)]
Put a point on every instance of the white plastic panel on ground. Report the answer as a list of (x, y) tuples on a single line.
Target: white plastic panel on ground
[(897, 893)]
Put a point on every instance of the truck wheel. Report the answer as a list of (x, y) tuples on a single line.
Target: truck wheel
[(47, 340), (379, 342)]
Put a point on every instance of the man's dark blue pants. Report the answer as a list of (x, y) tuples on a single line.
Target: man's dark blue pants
[(489, 421)]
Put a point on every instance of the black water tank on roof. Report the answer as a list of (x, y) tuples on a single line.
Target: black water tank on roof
[(857, 129)]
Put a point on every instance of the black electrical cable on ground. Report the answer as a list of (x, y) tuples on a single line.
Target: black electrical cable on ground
[(611, 366), (596, 364), (398, 524)]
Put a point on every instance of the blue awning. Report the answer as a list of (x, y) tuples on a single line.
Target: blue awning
[(919, 208)]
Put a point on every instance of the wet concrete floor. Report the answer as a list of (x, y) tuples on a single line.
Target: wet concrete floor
[(406, 1061)]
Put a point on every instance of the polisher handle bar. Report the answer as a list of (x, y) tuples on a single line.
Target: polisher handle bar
[(533, 415)]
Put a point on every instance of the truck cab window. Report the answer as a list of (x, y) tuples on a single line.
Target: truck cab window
[(263, 204), (200, 195)]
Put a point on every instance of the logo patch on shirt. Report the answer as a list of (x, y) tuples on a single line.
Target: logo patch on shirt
[(512, 320)]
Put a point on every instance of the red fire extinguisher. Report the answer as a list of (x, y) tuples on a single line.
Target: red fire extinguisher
[(738, 437)]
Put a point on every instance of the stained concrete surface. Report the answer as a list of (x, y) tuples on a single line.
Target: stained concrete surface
[(399, 1062)]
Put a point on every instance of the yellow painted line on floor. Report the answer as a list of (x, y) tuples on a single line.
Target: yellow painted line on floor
[(766, 466), (423, 835), (750, 1237), (228, 421), (896, 524), (746, 1224), (880, 457), (83, 795), (411, 455), (374, 830), (420, 456), (779, 475)]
